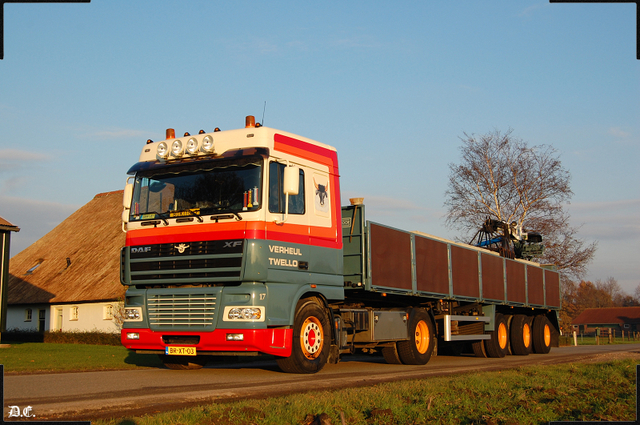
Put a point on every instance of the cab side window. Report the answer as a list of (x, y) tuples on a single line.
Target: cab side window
[(276, 191)]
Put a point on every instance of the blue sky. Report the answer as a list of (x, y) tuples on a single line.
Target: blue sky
[(393, 86)]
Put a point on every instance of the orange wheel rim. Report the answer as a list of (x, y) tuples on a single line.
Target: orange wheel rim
[(502, 336), (422, 337), (311, 339), (547, 336), (526, 335)]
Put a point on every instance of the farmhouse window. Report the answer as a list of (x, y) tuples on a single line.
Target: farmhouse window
[(108, 312), (73, 314), (627, 326), (28, 313)]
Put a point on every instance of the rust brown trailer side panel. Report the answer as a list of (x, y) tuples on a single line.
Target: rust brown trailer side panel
[(391, 258), (419, 264), (432, 266)]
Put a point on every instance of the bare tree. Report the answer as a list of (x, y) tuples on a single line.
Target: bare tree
[(500, 177)]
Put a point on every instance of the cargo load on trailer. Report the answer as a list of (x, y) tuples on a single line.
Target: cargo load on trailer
[(237, 245)]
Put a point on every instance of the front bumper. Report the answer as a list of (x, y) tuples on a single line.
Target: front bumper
[(276, 342)]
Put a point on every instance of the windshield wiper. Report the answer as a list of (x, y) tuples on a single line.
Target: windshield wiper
[(231, 214), (190, 212), (155, 222)]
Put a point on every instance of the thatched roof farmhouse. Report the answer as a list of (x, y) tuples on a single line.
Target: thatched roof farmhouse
[(70, 277)]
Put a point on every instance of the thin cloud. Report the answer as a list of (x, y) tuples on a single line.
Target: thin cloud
[(116, 133), (19, 155), (618, 132), (531, 10), (12, 160), (35, 218), (614, 221)]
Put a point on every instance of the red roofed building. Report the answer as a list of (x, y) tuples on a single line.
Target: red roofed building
[(616, 318)]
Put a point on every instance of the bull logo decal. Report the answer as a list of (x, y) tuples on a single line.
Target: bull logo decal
[(181, 248), (322, 191)]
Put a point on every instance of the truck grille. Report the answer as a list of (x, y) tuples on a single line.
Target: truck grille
[(190, 310), (186, 263)]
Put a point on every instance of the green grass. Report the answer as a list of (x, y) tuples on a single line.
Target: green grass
[(42, 357), (529, 395)]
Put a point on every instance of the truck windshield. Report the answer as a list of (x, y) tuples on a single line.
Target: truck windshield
[(197, 189)]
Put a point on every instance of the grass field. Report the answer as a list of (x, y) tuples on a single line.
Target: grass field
[(529, 395), (40, 357)]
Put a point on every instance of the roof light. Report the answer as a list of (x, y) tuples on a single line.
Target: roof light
[(207, 144), (192, 146), (171, 133), (176, 148), (162, 150), (250, 121)]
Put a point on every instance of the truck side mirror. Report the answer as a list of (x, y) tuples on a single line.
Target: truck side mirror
[(128, 195), (126, 203), (291, 184)]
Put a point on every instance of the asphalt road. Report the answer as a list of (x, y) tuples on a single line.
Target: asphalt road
[(90, 395)]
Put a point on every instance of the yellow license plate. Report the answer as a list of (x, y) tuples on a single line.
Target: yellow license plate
[(180, 351)]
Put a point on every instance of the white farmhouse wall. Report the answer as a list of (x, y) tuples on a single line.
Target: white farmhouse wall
[(90, 317), (17, 317), (81, 317)]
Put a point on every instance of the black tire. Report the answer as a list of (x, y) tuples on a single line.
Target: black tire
[(390, 355), (311, 339), (520, 335), (183, 362), (498, 345), (418, 349), (478, 349), (541, 331)]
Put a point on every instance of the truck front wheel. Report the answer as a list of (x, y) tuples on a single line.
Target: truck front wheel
[(418, 349), (311, 339)]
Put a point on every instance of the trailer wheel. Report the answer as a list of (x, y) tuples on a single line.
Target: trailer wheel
[(418, 349), (541, 335), (183, 362), (520, 335), (498, 345), (311, 339)]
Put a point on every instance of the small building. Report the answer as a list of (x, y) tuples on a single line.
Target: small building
[(5, 243), (617, 319), (69, 280)]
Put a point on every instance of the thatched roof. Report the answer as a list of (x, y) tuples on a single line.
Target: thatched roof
[(79, 260), (6, 226)]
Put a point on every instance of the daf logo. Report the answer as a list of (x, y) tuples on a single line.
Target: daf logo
[(140, 249), (181, 248)]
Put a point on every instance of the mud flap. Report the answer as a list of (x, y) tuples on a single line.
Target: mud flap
[(334, 354)]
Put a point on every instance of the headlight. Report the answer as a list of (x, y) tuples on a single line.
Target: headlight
[(244, 314), (192, 146), (176, 148), (133, 314), (207, 144), (162, 150)]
